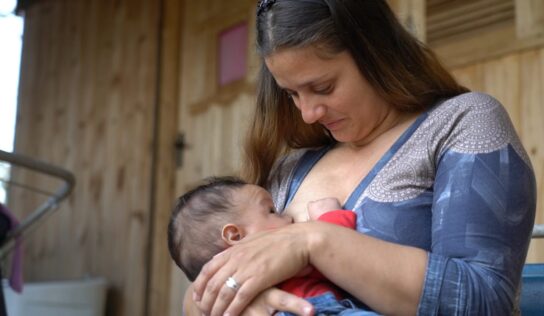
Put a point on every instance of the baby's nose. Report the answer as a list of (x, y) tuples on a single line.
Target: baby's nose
[(289, 218)]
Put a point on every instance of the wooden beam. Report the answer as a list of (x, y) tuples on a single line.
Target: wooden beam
[(529, 18), (23, 5), (411, 14), (163, 188)]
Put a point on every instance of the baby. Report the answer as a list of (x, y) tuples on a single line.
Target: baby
[(217, 214)]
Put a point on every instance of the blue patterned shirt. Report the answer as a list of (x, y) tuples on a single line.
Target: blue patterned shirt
[(457, 184)]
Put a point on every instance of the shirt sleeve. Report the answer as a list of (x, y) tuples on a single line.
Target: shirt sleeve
[(482, 217)]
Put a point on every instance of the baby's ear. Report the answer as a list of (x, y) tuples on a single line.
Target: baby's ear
[(231, 234)]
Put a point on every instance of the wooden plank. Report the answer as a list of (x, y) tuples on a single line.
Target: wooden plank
[(471, 77), (158, 294), (501, 80), (44, 85), (529, 18), (488, 44), (87, 103), (445, 5), (471, 23), (532, 81), (490, 41), (411, 14), (456, 12), (210, 116)]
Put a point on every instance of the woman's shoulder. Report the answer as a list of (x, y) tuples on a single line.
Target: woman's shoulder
[(475, 122), (281, 175), (284, 169), (466, 117), (286, 163), (467, 103)]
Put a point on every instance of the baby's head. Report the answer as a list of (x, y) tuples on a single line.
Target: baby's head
[(215, 215)]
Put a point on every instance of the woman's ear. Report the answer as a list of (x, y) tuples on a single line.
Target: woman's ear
[(231, 234)]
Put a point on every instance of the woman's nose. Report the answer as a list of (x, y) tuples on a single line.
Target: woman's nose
[(311, 110)]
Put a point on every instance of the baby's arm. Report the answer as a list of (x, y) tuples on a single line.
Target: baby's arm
[(319, 207)]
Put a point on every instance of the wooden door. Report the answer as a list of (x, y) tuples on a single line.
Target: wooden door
[(212, 117)]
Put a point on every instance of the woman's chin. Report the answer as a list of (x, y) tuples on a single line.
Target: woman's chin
[(341, 138)]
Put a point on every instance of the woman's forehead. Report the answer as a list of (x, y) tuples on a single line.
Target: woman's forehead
[(294, 67)]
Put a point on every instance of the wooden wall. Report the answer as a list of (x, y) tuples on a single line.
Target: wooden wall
[(213, 118), (98, 96), (106, 85)]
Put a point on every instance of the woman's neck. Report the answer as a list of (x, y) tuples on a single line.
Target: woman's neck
[(390, 124)]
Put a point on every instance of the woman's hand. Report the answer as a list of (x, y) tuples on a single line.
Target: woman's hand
[(273, 300), (256, 263), (266, 303)]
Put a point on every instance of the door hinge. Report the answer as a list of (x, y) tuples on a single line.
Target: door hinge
[(179, 147)]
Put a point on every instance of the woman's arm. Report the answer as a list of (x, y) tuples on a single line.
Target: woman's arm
[(388, 276), (484, 200), (483, 214)]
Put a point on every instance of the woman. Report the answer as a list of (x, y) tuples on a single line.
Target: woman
[(352, 106)]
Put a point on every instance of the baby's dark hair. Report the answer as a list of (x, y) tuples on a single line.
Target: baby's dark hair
[(194, 230)]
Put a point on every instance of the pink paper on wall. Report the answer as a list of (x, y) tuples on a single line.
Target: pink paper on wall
[(233, 54)]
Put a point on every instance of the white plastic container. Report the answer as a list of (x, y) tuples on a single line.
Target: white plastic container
[(64, 298)]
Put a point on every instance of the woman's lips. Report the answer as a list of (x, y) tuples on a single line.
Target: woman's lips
[(332, 125)]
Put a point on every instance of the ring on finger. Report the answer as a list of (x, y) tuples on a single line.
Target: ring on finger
[(232, 284)]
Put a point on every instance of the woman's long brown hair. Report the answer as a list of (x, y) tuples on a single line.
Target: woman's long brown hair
[(402, 70)]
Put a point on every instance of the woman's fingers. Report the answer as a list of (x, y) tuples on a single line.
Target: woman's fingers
[(217, 295), (273, 300), (225, 296), (208, 271), (211, 294), (244, 296), (287, 302), (226, 287)]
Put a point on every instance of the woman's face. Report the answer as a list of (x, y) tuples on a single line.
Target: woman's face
[(330, 91)]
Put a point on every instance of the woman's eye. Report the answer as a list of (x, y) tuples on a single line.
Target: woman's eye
[(290, 94), (323, 89)]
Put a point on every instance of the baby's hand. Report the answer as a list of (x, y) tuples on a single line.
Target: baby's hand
[(319, 207)]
